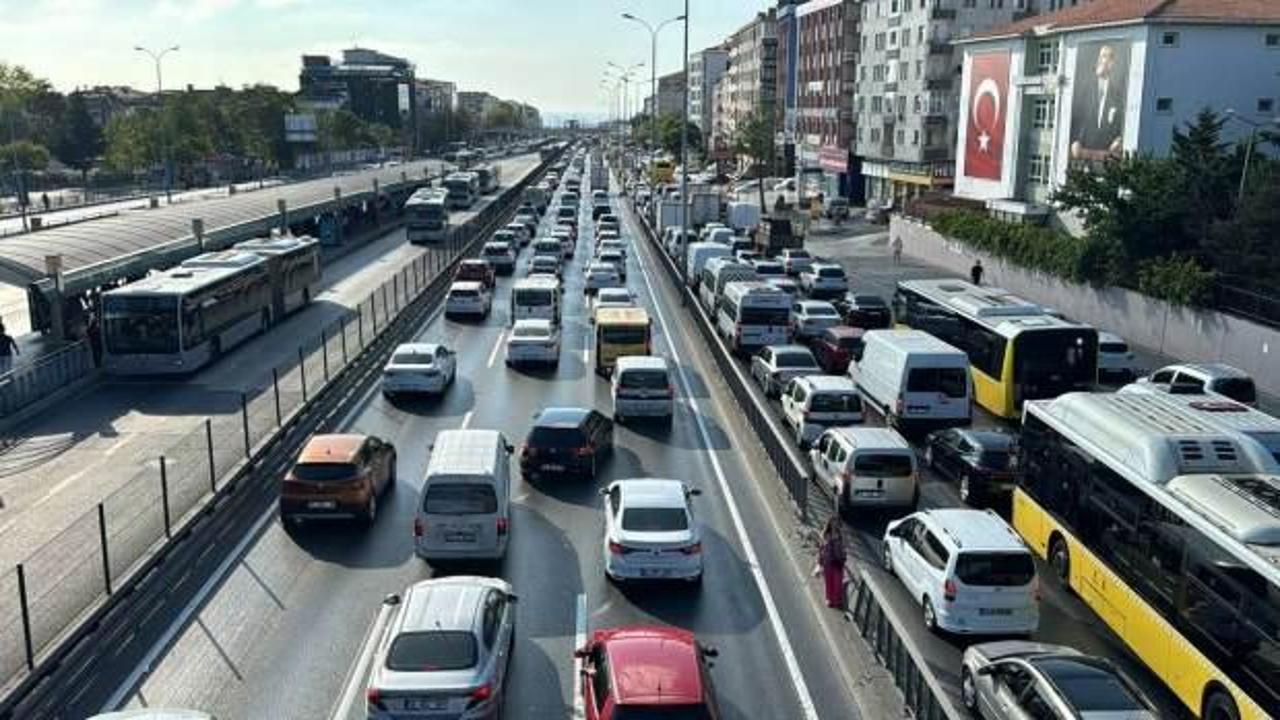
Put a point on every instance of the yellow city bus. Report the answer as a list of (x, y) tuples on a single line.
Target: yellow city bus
[(1167, 527), (662, 172), (621, 331), (1017, 350)]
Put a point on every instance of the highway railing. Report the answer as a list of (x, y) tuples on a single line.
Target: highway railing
[(53, 601), (30, 382)]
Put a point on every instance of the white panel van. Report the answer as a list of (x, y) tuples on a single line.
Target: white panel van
[(465, 511), (914, 380)]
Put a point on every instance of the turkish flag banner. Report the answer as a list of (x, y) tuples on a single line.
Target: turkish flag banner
[(988, 110)]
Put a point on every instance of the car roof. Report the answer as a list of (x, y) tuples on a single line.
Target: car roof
[(829, 383), (337, 448), (842, 331), (992, 439), (1217, 370), (810, 304), (641, 362), (653, 665), (561, 417), (872, 438), (652, 492), (790, 350), (975, 530), (451, 603), (466, 285)]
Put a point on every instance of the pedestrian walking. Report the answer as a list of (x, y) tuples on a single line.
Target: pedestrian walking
[(44, 198), (975, 272), (897, 250), (831, 559), (8, 348)]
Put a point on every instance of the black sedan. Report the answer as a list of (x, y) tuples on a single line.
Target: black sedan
[(566, 441), (869, 312), (980, 461)]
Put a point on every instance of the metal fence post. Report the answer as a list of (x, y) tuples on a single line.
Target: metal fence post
[(342, 327), (213, 470), (26, 616), (395, 291), (324, 353), (360, 324), (302, 371), (244, 422), (275, 386), (102, 535), (164, 495)]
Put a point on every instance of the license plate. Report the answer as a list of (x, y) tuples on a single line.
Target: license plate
[(322, 505), (553, 468), (868, 493), (995, 611), (653, 572), (427, 704), (460, 537)]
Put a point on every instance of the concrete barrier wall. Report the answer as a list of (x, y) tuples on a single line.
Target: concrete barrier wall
[(1190, 335)]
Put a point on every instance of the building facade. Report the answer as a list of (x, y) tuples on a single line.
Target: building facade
[(476, 103), (1088, 82), (374, 86), (670, 94), (788, 63), (827, 33), (706, 67), (751, 78)]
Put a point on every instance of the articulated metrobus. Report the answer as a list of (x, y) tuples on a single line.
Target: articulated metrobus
[(1017, 351), (294, 265), (427, 216), (462, 189), (1169, 530)]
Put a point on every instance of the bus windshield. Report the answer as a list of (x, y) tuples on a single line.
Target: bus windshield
[(140, 325), (625, 334), (1047, 364)]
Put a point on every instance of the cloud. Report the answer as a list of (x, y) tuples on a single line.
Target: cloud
[(276, 4), (189, 11)]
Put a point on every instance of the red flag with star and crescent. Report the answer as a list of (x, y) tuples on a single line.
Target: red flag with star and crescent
[(988, 110)]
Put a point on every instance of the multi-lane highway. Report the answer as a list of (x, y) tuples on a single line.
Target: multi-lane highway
[(288, 634)]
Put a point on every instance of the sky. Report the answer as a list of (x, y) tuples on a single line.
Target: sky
[(549, 53)]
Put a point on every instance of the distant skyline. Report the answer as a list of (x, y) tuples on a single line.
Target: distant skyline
[(549, 53)]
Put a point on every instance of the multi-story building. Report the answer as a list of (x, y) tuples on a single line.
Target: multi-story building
[(907, 102), (705, 69), (105, 102), (1087, 82), (375, 87), (750, 81), (671, 93), (827, 33), (788, 64), (721, 139), (476, 103), (435, 96)]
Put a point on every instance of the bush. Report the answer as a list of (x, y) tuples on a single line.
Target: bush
[(1176, 279), (1036, 247)]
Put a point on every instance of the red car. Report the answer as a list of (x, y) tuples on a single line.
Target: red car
[(836, 347), (647, 672), (476, 271)]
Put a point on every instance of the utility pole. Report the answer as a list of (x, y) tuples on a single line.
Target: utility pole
[(156, 57), (653, 70), (684, 150)]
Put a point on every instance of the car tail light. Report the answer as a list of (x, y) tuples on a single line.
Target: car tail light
[(694, 549), (503, 526), (949, 590), (419, 527), (480, 694), (373, 696), (617, 548), (584, 451), (900, 405), (528, 451)]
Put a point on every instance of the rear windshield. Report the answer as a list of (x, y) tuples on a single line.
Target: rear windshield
[(625, 335), (763, 316), (412, 358), (464, 292), (460, 499), (877, 465), (831, 272), (1238, 389), (875, 300), (654, 519), (432, 651), (1088, 688), (948, 381), (849, 342), (821, 311), (567, 212), (793, 359), (643, 380), (995, 459), (538, 298), (323, 472), (1012, 569), (770, 269), (547, 246), (496, 250), (1113, 347), (836, 402), (670, 712), (556, 437), (798, 254)]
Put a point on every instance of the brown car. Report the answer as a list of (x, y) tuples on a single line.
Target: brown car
[(338, 476), (478, 271)]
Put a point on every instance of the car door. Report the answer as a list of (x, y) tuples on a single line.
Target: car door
[(597, 692), (836, 458), (909, 562), (960, 452), (1008, 682), (761, 363), (1035, 704), (793, 404), (817, 456)]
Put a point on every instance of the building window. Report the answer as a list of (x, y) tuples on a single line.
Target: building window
[(902, 137), (875, 134), (915, 137), (1266, 105), (876, 103), (1042, 111), (906, 38), (920, 35), (1164, 105), (861, 104), (1273, 41), (1038, 169), (915, 105), (919, 68), (1169, 39), (1047, 56), (969, 4)]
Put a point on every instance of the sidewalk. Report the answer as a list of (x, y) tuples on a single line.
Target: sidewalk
[(863, 250)]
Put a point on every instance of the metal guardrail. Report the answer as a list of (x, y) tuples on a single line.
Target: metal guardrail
[(1248, 304), (29, 382), (920, 692), (55, 598)]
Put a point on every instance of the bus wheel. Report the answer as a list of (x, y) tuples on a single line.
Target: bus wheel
[(1220, 706), (1060, 560)]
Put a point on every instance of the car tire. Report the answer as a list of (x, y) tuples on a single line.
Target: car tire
[(929, 615), (1060, 560), (969, 691)]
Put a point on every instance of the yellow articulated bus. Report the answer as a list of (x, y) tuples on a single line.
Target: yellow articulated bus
[(621, 331), (1016, 349), (1168, 528)]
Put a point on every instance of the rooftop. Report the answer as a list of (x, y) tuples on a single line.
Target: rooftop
[(1132, 12)]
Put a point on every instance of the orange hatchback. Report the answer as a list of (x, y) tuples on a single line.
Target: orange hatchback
[(338, 476)]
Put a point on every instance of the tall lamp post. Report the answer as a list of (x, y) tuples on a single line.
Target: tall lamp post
[(684, 149), (1248, 149), (156, 57), (625, 75), (653, 64)]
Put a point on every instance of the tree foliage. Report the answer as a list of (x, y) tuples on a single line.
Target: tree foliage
[(753, 141)]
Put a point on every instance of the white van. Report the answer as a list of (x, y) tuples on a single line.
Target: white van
[(550, 246), (696, 258), (718, 272), (465, 512), (535, 298), (641, 387), (751, 314), (866, 467), (813, 403), (914, 380)]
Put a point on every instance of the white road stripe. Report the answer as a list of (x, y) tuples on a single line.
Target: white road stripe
[(753, 561), (497, 345), (466, 420), (579, 640), (359, 670)]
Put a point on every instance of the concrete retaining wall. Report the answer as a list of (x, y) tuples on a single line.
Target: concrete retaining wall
[(1190, 335)]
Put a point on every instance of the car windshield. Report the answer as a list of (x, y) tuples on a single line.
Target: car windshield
[(668, 712), (644, 380), (1089, 688), (794, 359), (434, 651), (323, 472), (459, 499), (830, 272), (798, 254), (464, 292), (1238, 389), (654, 519), (412, 357), (1002, 569), (770, 269), (869, 301)]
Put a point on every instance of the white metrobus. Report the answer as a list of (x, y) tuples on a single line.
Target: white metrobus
[(535, 298), (294, 265), (427, 215), (1168, 528), (751, 314)]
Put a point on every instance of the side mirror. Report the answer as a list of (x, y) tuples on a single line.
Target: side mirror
[(710, 651), (513, 598), (392, 599), (604, 491), (510, 448), (694, 492)]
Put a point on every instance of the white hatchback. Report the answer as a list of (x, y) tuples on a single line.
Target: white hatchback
[(650, 531), (533, 342), (467, 298), (601, 275)]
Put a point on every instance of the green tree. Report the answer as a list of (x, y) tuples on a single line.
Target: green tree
[(25, 154), (753, 140), (1209, 167), (81, 142), (1244, 245), (669, 134)]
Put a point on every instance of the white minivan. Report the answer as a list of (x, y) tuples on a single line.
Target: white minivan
[(752, 314), (914, 380), (465, 512), (641, 387), (697, 256), (535, 298), (868, 468)]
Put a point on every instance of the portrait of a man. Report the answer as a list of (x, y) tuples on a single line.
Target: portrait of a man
[(1098, 99)]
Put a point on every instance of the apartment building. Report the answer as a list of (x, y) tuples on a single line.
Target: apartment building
[(706, 67), (750, 81), (827, 34)]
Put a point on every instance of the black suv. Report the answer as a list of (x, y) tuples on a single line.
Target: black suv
[(869, 312), (566, 441)]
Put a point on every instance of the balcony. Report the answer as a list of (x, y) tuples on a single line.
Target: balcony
[(942, 82), (939, 48), (934, 119), (935, 154), (895, 21), (892, 54)]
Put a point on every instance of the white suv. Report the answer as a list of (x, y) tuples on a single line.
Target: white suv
[(824, 280), (1198, 378), (968, 570), (1116, 363)]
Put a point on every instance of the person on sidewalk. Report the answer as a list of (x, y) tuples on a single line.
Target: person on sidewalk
[(831, 559), (44, 198), (897, 250), (975, 272), (8, 348)]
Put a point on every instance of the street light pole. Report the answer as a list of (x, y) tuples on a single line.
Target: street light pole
[(684, 150), (156, 57), (653, 70)]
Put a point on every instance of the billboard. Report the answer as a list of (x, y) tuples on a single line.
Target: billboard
[(988, 112), (1098, 99)]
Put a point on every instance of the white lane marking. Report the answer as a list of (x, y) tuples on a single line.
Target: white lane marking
[(466, 420), (497, 345), (126, 688), (358, 671), (753, 561), (53, 491), (579, 641)]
